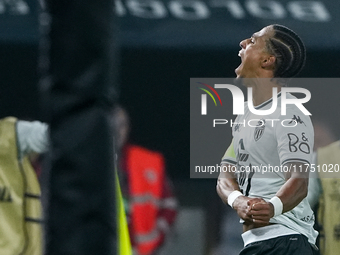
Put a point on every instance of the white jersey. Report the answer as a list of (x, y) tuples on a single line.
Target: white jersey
[(261, 145)]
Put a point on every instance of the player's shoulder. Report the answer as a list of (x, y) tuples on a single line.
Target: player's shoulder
[(295, 112)]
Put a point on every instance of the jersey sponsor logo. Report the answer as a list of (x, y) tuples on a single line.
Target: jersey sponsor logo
[(297, 120), (259, 130), (297, 143)]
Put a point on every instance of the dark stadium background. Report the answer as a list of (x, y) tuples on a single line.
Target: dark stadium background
[(157, 55)]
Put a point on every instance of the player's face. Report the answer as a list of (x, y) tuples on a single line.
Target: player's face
[(253, 52)]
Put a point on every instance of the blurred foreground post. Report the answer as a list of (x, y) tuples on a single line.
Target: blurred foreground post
[(77, 65)]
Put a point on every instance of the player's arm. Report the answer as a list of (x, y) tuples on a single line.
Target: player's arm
[(295, 148), (228, 190), (289, 195), (226, 182), (295, 151), (227, 186), (296, 187)]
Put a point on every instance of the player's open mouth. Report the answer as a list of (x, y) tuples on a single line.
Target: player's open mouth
[(240, 55)]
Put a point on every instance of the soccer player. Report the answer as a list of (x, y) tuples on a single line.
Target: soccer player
[(267, 181)]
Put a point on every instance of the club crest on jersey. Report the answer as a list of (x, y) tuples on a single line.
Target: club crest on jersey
[(259, 130)]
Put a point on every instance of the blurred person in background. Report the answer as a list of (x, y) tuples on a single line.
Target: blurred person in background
[(31, 141), (21, 230), (150, 204), (20, 205), (276, 216), (324, 186)]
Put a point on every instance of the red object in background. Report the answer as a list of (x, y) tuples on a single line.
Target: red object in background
[(152, 204)]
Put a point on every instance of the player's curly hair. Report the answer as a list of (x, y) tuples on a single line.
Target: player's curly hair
[(289, 50)]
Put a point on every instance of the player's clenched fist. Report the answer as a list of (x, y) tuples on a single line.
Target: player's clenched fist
[(260, 211), (241, 205)]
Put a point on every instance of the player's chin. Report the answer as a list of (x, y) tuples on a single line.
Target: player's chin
[(238, 81), (238, 71)]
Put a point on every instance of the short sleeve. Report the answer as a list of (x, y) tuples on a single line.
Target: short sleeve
[(295, 137)]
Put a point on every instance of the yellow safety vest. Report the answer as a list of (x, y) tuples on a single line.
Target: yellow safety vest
[(123, 232), (20, 207), (329, 203)]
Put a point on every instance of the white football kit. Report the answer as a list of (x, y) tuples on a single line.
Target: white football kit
[(262, 145)]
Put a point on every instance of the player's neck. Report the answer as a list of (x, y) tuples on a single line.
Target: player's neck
[(262, 92)]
